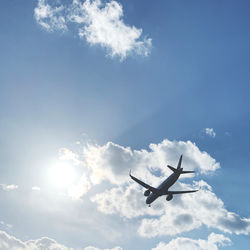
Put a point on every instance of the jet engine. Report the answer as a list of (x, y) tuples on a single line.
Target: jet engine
[(169, 197), (147, 193)]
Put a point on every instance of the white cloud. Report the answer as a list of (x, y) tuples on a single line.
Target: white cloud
[(191, 212), (68, 155), (35, 188), (77, 190), (210, 132), (99, 23), (6, 187), (212, 243), (95, 248), (113, 162), (104, 26), (126, 201), (5, 226), (50, 17), (11, 243), (184, 213)]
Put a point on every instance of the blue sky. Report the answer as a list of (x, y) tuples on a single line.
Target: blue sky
[(87, 87)]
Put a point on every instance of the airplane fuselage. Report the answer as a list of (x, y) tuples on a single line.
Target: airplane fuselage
[(163, 188), (153, 193)]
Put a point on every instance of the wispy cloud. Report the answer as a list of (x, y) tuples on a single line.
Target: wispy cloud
[(213, 242), (210, 132), (99, 23), (7, 187), (50, 17), (68, 155), (5, 226), (35, 188)]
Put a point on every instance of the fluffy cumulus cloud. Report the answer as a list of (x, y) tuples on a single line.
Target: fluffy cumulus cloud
[(184, 213), (11, 243), (113, 162), (212, 243), (210, 132), (81, 187), (99, 23), (126, 201), (190, 212)]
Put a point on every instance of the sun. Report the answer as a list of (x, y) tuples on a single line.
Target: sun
[(62, 174)]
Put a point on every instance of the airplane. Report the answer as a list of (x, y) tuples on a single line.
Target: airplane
[(153, 193)]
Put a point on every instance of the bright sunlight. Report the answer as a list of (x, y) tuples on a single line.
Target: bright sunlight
[(62, 174)]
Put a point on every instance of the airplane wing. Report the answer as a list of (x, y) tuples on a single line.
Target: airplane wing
[(152, 189), (182, 192)]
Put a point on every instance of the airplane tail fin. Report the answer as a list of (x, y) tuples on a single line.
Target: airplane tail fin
[(179, 163), (179, 169), (175, 170)]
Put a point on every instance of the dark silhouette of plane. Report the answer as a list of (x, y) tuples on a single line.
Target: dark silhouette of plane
[(153, 193)]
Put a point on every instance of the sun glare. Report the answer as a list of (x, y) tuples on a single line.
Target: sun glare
[(62, 174)]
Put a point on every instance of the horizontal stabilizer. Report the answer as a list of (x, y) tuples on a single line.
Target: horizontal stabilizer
[(187, 172), (173, 169)]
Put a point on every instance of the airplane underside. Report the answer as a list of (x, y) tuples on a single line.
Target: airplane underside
[(153, 193)]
